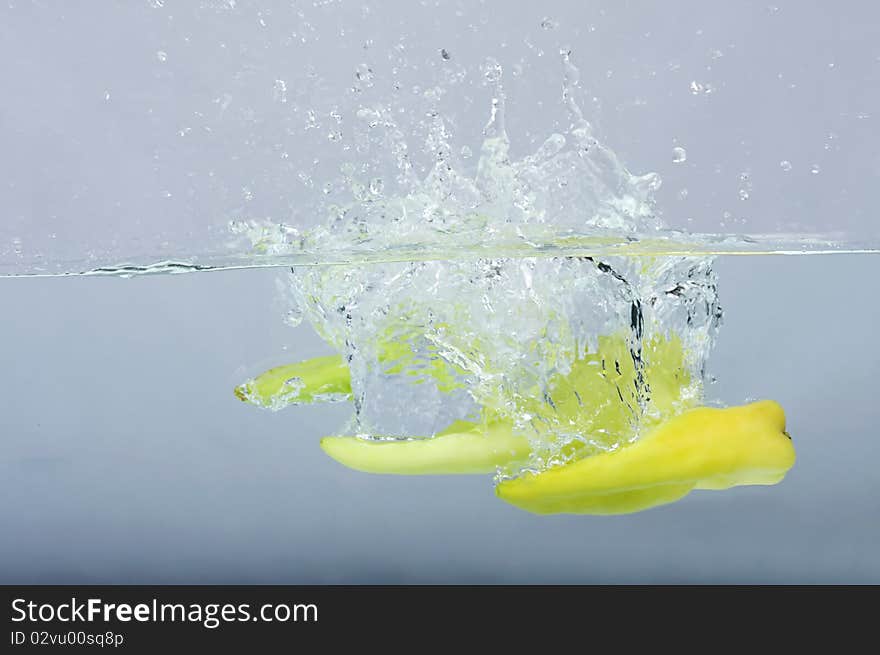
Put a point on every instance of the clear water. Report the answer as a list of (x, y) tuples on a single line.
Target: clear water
[(125, 455)]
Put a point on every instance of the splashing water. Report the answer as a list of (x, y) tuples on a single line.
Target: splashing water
[(576, 352)]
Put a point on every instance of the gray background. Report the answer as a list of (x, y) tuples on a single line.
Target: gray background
[(125, 457), (112, 153)]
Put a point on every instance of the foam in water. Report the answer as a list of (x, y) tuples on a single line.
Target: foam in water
[(562, 347)]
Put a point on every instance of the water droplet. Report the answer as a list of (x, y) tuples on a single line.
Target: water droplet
[(161, 55), (364, 74), (359, 191), (679, 155), (444, 53), (648, 181), (293, 317), (491, 70), (701, 88), (279, 91), (814, 169), (785, 165), (745, 189)]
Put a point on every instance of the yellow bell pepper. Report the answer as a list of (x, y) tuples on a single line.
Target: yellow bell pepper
[(703, 448)]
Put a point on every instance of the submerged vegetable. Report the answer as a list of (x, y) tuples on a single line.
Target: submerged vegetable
[(658, 454), (463, 448), (328, 378), (321, 378), (704, 448)]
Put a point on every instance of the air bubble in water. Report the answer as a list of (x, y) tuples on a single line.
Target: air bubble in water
[(679, 155)]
